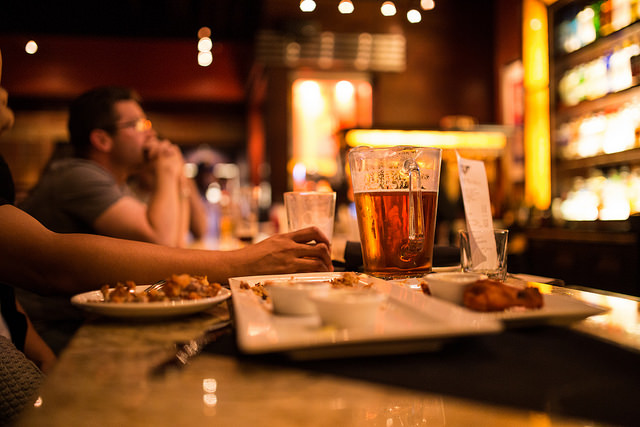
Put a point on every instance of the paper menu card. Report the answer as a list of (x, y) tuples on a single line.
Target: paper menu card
[(477, 211)]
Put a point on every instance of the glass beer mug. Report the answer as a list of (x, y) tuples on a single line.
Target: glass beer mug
[(396, 196)]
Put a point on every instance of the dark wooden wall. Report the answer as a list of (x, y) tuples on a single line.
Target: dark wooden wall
[(452, 69)]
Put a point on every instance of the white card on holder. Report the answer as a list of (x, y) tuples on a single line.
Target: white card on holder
[(477, 210)]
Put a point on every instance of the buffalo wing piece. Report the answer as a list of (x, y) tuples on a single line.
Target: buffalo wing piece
[(425, 287), (492, 295)]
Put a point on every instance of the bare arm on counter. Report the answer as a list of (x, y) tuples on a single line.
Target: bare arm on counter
[(35, 258)]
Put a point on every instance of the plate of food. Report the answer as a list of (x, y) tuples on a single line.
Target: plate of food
[(180, 295), (394, 318), (514, 302)]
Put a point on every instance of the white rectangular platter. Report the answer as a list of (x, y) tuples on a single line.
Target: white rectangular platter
[(409, 321), (558, 309)]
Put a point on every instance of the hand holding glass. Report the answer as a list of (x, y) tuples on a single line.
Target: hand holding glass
[(311, 208)]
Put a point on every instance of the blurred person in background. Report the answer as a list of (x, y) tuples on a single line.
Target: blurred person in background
[(194, 222), (113, 141)]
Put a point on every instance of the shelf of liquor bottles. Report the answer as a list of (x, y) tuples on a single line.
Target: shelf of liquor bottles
[(610, 102), (600, 46), (595, 119), (604, 161), (595, 109)]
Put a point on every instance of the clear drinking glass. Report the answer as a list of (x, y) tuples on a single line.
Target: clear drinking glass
[(308, 208), (480, 264)]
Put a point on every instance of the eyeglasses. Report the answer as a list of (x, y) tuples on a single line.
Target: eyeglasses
[(141, 124)]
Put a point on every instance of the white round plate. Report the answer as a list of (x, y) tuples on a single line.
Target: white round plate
[(92, 301)]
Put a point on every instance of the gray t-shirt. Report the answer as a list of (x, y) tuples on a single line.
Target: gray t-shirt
[(71, 195)]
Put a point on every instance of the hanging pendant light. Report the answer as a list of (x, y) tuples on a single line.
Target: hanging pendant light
[(427, 4), (307, 5), (345, 7), (414, 16), (388, 8)]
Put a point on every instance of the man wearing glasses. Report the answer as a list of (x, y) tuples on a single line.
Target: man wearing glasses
[(113, 140)]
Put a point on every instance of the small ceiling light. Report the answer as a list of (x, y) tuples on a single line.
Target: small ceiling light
[(388, 8), (205, 44), (204, 32), (536, 25), (307, 5), (205, 59), (427, 4), (414, 16), (31, 47), (345, 6)]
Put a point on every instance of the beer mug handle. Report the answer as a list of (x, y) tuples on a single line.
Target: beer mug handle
[(416, 213)]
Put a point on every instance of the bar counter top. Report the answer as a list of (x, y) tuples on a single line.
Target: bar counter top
[(108, 376)]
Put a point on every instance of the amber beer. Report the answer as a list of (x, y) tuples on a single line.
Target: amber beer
[(383, 219)]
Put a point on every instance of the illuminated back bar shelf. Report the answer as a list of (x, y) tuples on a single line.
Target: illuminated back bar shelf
[(482, 141)]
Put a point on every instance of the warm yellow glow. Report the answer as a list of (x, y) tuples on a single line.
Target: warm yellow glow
[(205, 44), (344, 91), (205, 59), (388, 8), (488, 140), (307, 5), (310, 98), (345, 7), (311, 147), (209, 385), (427, 4), (204, 32), (31, 47), (320, 109), (210, 399), (537, 137), (413, 16)]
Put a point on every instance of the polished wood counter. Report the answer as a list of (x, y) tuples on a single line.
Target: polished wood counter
[(105, 377)]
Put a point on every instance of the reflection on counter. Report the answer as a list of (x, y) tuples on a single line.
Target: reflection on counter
[(621, 322)]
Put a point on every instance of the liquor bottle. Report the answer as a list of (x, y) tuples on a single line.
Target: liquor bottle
[(605, 18), (620, 14)]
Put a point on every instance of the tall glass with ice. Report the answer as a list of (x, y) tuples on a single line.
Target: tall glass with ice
[(396, 196)]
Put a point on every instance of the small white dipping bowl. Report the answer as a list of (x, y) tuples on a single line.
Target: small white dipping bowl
[(450, 285), (292, 297), (346, 308)]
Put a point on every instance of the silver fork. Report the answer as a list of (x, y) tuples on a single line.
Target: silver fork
[(156, 286)]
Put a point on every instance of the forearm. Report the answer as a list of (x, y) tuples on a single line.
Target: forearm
[(199, 221), (45, 262), (51, 263), (184, 219), (121, 260), (163, 211)]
